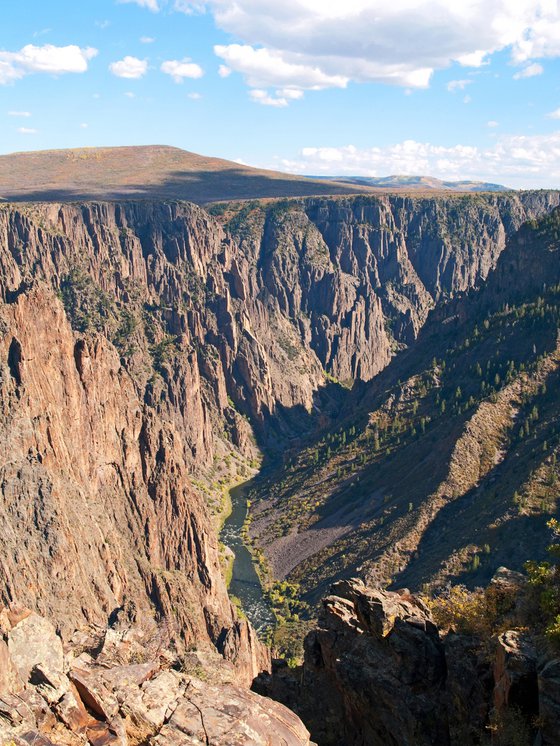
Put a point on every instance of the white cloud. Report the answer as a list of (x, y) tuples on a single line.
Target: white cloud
[(530, 71), (181, 69), (263, 68), (467, 99), (147, 40), (150, 4), (263, 97), (458, 85), (189, 7), (19, 113), (84, 125), (45, 59), (293, 93), (194, 96), (224, 71), (514, 160), (492, 123), (554, 114), (129, 67), (27, 131), (130, 94), (401, 43)]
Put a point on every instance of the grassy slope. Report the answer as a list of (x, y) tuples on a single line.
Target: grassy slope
[(146, 172), (157, 172), (426, 491)]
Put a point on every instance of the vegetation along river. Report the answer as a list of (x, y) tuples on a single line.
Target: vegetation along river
[(245, 583)]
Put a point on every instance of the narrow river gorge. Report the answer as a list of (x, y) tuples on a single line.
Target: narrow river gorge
[(245, 583)]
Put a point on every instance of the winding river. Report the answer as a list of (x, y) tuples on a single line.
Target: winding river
[(245, 583)]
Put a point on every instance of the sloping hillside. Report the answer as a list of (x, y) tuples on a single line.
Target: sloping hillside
[(445, 466), (149, 172)]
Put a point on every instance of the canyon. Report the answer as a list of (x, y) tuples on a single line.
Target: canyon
[(153, 351)]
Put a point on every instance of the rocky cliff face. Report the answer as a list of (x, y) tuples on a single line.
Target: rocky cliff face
[(361, 275), (132, 336), (135, 336), (428, 474), (100, 428), (388, 675)]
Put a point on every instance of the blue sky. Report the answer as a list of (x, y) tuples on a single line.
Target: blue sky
[(448, 88)]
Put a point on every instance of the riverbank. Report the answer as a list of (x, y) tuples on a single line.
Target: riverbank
[(244, 582)]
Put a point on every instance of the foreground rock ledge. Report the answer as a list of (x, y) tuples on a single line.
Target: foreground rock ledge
[(123, 687), (379, 672)]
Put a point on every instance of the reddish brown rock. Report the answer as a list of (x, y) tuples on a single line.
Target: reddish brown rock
[(94, 694), (102, 701)]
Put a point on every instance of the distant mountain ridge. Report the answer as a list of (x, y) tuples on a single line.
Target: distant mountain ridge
[(416, 182), (163, 172)]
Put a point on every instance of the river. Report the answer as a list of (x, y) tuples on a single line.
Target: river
[(245, 583)]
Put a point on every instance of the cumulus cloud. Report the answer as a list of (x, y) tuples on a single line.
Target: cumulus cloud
[(492, 123), (530, 71), (150, 4), (516, 160), (554, 114), (147, 40), (401, 43), (280, 99), (129, 67), (181, 69), (19, 113), (45, 59), (224, 71), (264, 68), (27, 131), (292, 93)]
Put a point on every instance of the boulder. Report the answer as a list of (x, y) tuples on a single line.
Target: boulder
[(379, 665), (94, 694), (229, 716), (34, 641)]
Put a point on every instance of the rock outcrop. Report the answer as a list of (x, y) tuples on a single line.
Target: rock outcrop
[(121, 686), (388, 676)]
